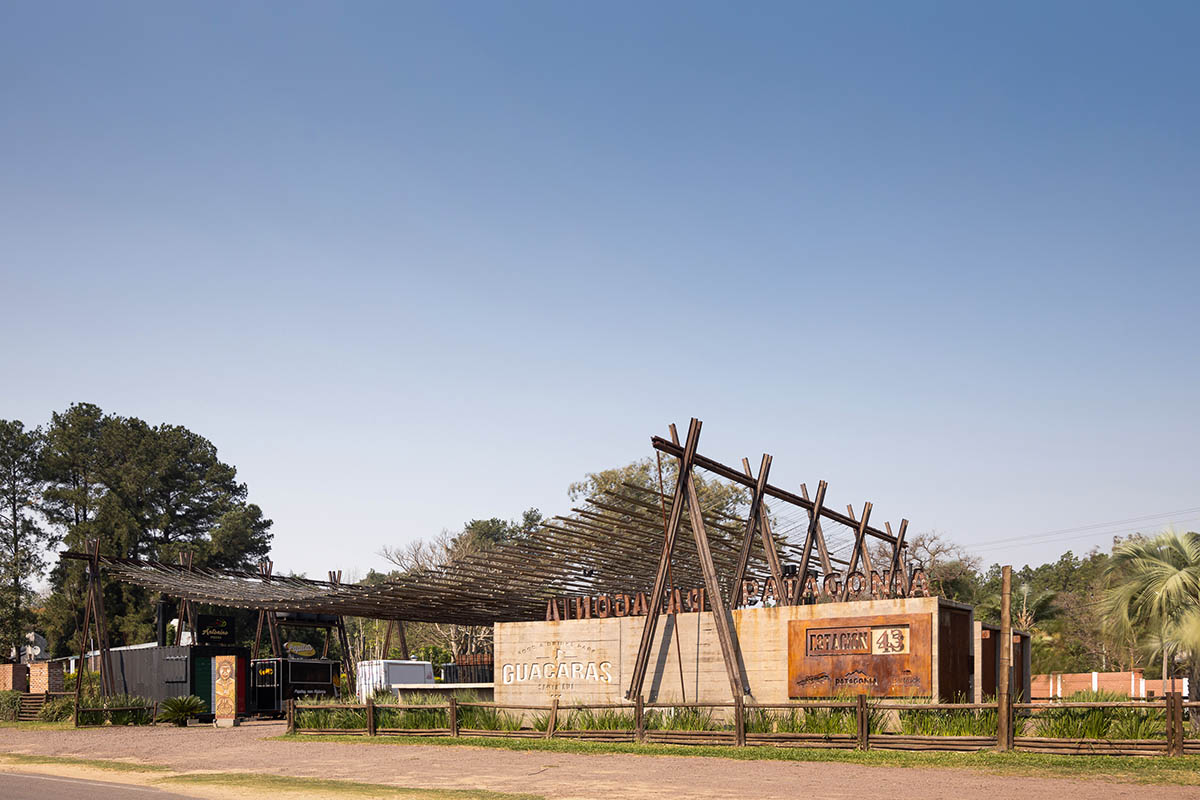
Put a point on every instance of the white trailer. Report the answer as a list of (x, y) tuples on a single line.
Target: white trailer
[(386, 674)]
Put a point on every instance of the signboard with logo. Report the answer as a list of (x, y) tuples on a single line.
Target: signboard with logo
[(214, 629), (884, 656)]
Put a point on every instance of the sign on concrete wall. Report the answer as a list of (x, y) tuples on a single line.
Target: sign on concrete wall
[(888, 655)]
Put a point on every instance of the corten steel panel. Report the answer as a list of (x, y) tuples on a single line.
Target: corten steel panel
[(991, 659), (954, 654), (853, 655)]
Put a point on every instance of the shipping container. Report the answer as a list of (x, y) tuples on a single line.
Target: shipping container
[(158, 673)]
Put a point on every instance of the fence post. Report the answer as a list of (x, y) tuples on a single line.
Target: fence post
[(739, 721), (453, 710), (291, 716), (1004, 719), (1174, 723), (1169, 700), (639, 719), (370, 716), (863, 722), (552, 720), (1179, 723)]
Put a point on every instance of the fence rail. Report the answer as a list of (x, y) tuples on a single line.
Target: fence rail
[(861, 725)]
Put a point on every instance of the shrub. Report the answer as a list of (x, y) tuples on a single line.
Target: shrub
[(957, 722), (178, 710), (120, 709), (57, 709), (600, 719), (130, 710), (1099, 723), (10, 704), (315, 714), (685, 718), (413, 719)]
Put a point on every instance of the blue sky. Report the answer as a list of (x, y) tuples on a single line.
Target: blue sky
[(411, 264)]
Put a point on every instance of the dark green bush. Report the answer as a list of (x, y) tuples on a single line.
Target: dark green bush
[(178, 710), (10, 704)]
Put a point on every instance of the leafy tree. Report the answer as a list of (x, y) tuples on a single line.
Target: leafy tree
[(1154, 598), (24, 539), (716, 496), (146, 491)]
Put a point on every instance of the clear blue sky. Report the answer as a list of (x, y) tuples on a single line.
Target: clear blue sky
[(410, 264)]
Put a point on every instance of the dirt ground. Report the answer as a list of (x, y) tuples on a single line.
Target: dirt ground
[(560, 776)]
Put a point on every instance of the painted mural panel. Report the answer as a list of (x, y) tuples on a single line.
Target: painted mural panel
[(225, 687)]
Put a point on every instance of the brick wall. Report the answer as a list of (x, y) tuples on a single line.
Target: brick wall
[(14, 678), (46, 676), (1065, 684)]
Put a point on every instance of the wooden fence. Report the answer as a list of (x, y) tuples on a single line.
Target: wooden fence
[(868, 729)]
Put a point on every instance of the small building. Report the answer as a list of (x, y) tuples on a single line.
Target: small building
[(898, 647)]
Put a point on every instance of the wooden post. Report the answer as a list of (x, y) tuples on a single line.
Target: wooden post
[(739, 721), (370, 716), (403, 640), (639, 719), (1169, 700), (642, 661), (453, 712), (1178, 723), (291, 715), (859, 538), (754, 522), (864, 723), (813, 535), (553, 719), (1174, 723), (1004, 720)]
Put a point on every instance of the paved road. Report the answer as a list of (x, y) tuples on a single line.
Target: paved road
[(18, 786)]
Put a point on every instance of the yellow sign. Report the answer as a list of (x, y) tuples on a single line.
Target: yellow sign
[(301, 649)]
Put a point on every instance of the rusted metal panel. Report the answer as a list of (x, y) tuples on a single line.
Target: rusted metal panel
[(888, 655)]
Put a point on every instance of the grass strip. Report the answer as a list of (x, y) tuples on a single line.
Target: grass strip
[(1176, 770), (38, 725), (94, 763), (330, 788)]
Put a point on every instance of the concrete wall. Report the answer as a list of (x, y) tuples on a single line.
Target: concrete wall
[(591, 660), (14, 678)]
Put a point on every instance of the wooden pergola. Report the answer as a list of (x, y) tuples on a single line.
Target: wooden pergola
[(622, 537)]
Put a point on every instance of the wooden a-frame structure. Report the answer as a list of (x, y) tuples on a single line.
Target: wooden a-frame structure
[(787, 592)]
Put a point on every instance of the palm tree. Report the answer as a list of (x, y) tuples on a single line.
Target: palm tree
[(1154, 597)]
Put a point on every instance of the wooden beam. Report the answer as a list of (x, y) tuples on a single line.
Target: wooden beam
[(858, 545), (729, 473), (897, 564), (814, 527), (726, 634), (756, 499), (660, 578)]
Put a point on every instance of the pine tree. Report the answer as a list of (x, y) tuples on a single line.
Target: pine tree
[(22, 554)]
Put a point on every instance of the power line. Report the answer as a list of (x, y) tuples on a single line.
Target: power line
[(1093, 526), (1086, 535)]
